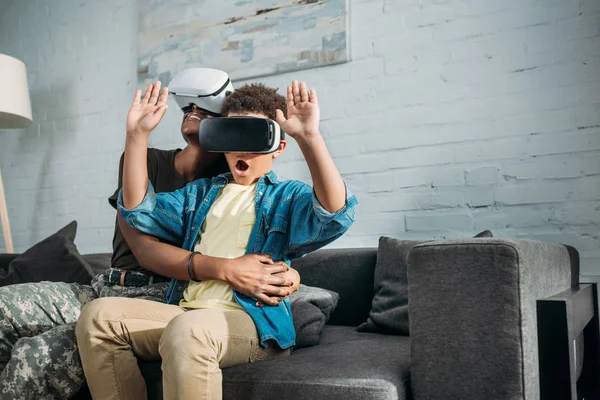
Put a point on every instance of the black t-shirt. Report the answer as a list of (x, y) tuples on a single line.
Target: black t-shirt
[(164, 178)]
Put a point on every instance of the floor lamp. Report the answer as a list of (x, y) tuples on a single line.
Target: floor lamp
[(15, 113)]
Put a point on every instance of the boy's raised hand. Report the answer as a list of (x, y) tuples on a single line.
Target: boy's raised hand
[(145, 113), (303, 113)]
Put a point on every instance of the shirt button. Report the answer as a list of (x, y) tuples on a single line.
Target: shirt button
[(206, 200), (179, 287), (260, 193)]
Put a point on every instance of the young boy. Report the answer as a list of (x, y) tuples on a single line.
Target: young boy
[(207, 326)]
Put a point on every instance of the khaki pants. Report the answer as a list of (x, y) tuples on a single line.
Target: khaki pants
[(113, 333)]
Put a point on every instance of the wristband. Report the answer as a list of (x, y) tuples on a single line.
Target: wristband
[(190, 271)]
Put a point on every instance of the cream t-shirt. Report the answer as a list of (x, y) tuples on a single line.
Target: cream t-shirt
[(224, 233)]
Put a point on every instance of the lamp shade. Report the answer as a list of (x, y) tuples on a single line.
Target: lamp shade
[(15, 107)]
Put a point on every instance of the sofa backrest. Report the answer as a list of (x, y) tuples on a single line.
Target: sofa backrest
[(348, 272), (99, 262)]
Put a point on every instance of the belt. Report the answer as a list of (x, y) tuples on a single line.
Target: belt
[(118, 277)]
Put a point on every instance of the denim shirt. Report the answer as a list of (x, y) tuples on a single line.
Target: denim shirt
[(290, 222)]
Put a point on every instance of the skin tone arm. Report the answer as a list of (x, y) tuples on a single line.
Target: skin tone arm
[(302, 124), (253, 274)]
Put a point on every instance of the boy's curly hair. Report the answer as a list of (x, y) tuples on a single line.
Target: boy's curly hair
[(255, 98)]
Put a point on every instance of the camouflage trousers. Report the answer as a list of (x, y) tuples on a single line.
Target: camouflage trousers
[(38, 352)]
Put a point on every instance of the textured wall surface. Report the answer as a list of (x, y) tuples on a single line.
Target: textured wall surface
[(453, 117)]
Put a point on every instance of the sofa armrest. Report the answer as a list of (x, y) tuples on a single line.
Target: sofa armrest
[(569, 344), (472, 315)]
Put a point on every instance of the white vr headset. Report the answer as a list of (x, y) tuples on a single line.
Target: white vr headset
[(208, 88)]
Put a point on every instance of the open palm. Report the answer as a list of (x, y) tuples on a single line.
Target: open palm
[(303, 113), (145, 113)]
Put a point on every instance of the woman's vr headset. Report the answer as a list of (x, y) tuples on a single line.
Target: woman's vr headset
[(240, 135), (207, 88)]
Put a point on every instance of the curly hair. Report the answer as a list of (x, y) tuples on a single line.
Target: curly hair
[(254, 98)]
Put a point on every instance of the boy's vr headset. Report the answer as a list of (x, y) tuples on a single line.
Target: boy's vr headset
[(240, 135), (207, 88)]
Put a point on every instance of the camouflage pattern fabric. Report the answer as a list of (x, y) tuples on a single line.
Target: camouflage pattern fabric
[(38, 353)]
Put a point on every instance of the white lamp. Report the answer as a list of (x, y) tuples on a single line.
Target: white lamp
[(15, 112)]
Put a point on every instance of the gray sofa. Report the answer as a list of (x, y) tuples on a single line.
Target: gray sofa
[(472, 320)]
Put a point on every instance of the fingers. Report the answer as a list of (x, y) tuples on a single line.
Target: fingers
[(313, 97), (276, 268), (279, 281), (290, 97), (299, 93), (164, 94), (279, 117), (296, 92), (161, 110), (264, 258), (155, 93), (275, 299), (266, 300), (275, 291), (147, 94), (303, 92), (136, 98)]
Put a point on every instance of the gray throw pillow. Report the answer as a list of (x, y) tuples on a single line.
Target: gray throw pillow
[(311, 308), (389, 311), (54, 259)]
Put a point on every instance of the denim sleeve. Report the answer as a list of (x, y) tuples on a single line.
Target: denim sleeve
[(312, 226), (160, 214)]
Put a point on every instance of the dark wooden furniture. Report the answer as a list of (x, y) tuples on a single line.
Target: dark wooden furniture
[(561, 320)]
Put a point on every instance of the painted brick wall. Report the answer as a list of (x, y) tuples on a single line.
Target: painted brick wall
[(453, 117)]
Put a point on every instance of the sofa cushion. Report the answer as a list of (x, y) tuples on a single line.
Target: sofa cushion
[(389, 312), (53, 259), (311, 308), (347, 365)]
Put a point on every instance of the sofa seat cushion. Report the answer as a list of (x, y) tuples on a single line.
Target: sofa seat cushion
[(347, 365)]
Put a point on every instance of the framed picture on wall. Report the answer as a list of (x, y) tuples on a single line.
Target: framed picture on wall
[(248, 39)]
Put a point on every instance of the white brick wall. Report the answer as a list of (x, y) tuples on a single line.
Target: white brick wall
[(453, 117)]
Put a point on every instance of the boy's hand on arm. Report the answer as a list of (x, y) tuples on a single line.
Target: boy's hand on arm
[(302, 123), (144, 115)]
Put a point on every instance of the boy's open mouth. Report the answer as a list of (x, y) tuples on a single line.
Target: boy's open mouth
[(241, 165)]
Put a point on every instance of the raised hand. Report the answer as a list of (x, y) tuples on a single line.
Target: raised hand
[(145, 113), (303, 113)]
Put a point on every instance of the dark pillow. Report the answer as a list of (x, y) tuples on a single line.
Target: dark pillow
[(389, 311), (311, 308), (53, 259), (484, 234)]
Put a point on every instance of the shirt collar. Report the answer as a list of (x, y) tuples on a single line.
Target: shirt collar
[(227, 177)]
